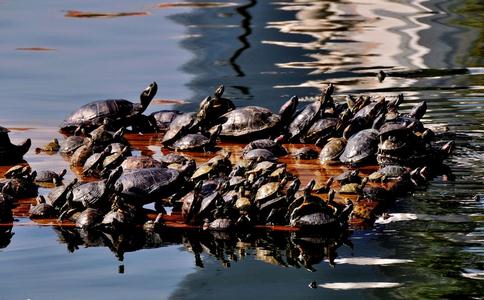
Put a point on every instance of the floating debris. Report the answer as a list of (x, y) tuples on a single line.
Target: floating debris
[(90, 14)]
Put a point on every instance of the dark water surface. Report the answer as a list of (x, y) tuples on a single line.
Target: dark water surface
[(53, 60)]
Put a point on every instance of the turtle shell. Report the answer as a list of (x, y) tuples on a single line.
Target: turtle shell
[(321, 128), (89, 218), (267, 191), (262, 154), (191, 142), (304, 119), (332, 150), (42, 210), (163, 118), (70, 144), (247, 121), (46, 176), (90, 194), (147, 184), (305, 153), (140, 162), (267, 144), (176, 126), (361, 147), (94, 113), (172, 158)]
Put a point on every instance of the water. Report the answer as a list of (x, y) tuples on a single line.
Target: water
[(264, 52)]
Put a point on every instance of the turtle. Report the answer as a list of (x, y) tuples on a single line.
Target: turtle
[(94, 162), (89, 218), (332, 150), (263, 166), (154, 225), (220, 224), (118, 111), (58, 196), (269, 190), (361, 147), (70, 144), (419, 110), (247, 122), (140, 162), (312, 212), (308, 115), (162, 119), (147, 185), (20, 187), (18, 171), (50, 147), (178, 127), (353, 188), (81, 154), (305, 153), (48, 176), (42, 210), (321, 130), (260, 155), (273, 145), (211, 108), (287, 110), (196, 142), (350, 176), (10, 153), (389, 172)]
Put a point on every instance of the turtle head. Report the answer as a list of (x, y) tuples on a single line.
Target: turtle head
[(219, 91), (147, 95)]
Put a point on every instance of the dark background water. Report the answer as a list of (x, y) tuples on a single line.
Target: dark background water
[(264, 52)]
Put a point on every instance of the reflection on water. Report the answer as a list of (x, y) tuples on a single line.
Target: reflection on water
[(264, 52)]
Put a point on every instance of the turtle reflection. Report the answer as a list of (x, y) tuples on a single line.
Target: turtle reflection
[(288, 249)]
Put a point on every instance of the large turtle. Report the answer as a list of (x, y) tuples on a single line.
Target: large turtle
[(248, 122), (361, 147), (117, 110)]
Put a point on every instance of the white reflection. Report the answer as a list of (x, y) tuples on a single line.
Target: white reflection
[(359, 285)]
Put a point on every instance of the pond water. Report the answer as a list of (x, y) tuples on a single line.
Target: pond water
[(57, 55)]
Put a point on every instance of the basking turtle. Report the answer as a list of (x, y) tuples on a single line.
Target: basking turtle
[(196, 142), (361, 147), (178, 127), (275, 146), (332, 150), (18, 171), (248, 122), (287, 110), (389, 172), (260, 155), (211, 108), (50, 177), (140, 162), (353, 188), (42, 210), (81, 154), (322, 130), (269, 191), (310, 113), (162, 119), (119, 111), (70, 144), (351, 176), (305, 153), (89, 218), (147, 185), (52, 146), (10, 153), (58, 196)]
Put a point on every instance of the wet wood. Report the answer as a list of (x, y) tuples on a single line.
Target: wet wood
[(89, 14)]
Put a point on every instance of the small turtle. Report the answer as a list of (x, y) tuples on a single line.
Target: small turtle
[(172, 158), (50, 177), (310, 113), (18, 171), (260, 154), (275, 146), (269, 190), (140, 162), (332, 150), (248, 122), (147, 185), (353, 188), (163, 118), (351, 176), (70, 144), (211, 108), (389, 172), (178, 127), (58, 196), (305, 153), (287, 110), (323, 187), (361, 147), (52, 146), (42, 210), (322, 130), (94, 162), (118, 111), (81, 154), (20, 187), (196, 142), (89, 218)]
